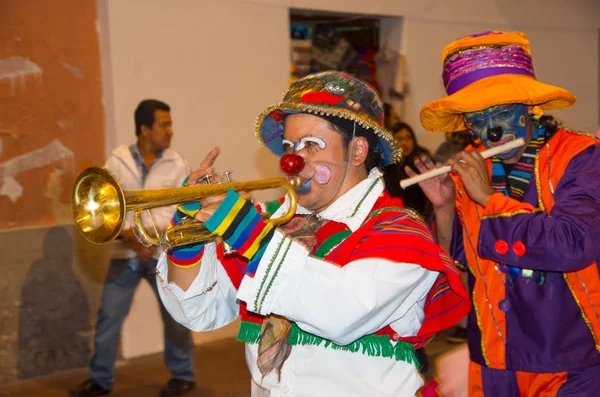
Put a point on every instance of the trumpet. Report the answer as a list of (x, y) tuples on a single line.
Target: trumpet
[(99, 206)]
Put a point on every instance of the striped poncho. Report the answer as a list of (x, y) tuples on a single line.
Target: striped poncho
[(390, 232)]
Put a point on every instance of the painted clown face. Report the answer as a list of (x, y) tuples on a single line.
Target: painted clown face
[(325, 163), (498, 125)]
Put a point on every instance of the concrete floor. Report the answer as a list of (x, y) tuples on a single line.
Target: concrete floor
[(220, 366)]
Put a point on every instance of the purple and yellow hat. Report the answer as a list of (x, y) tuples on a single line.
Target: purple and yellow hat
[(328, 94), (488, 69)]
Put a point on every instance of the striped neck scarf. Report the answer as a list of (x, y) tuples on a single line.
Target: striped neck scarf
[(514, 184)]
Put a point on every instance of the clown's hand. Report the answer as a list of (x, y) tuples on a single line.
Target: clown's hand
[(439, 190), (199, 177), (209, 205), (240, 225), (204, 169), (472, 170)]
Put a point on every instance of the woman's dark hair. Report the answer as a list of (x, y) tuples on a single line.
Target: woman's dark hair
[(396, 128), (144, 113)]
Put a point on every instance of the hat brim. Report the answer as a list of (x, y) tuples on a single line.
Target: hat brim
[(269, 128), (446, 114)]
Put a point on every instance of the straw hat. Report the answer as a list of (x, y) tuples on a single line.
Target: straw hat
[(328, 94)]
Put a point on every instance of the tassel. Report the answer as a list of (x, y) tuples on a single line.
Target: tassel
[(537, 112)]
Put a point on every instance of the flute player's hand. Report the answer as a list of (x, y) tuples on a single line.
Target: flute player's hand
[(440, 189), (473, 172)]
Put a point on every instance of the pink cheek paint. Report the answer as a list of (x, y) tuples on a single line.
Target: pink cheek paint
[(322, 174)]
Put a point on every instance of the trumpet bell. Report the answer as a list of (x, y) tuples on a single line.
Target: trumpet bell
[(98, 205)]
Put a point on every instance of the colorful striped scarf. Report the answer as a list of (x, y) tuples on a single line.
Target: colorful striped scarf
[(514, 184)]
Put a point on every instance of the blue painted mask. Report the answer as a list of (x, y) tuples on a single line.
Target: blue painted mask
[(497, 125)]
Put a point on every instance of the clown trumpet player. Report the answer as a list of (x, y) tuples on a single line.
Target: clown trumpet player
[(524, 223), (334, 302)]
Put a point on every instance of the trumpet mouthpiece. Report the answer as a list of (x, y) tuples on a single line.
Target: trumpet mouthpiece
[(295, 181)]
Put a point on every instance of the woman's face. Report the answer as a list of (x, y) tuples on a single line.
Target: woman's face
[(405, 142)]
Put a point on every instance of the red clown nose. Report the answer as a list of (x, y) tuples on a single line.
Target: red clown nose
[(291, 164)]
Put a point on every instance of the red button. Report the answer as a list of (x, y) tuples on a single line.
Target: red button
[(501, 247), (519, 248)]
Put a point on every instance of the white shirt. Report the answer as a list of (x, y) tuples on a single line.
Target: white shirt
[(168, 171), (340, 304)]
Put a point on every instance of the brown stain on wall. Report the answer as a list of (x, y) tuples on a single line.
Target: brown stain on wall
[(63, 102)]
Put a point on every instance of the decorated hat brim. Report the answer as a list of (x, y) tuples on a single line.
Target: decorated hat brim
[(269, 130), (446, 114)]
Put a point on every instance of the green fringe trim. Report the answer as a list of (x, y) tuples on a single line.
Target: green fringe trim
[(371, 345), (249, 332)]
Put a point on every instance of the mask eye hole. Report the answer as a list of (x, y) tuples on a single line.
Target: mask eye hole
[(504, 112), (476, 122)]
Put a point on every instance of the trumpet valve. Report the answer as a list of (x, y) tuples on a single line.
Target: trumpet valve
[(227, 176), (228, 249), (205, 179)]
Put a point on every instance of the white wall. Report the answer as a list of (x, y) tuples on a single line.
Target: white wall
[(563, 34), (220, 63), (568, 58)]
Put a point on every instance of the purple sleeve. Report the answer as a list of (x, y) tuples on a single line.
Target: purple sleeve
[(457, 248), (567, 239)]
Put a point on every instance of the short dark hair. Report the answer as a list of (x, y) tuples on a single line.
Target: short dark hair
[(144, 113), (374, 157)]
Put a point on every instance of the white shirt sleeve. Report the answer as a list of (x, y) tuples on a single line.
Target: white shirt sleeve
[(209, 303), (340, 304), (114, 166), (161, 216)]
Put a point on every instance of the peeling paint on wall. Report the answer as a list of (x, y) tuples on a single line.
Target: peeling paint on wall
[(16, 69), (51, 113), (53, 153)]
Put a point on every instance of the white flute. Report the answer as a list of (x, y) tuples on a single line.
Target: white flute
[(445, 169)]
